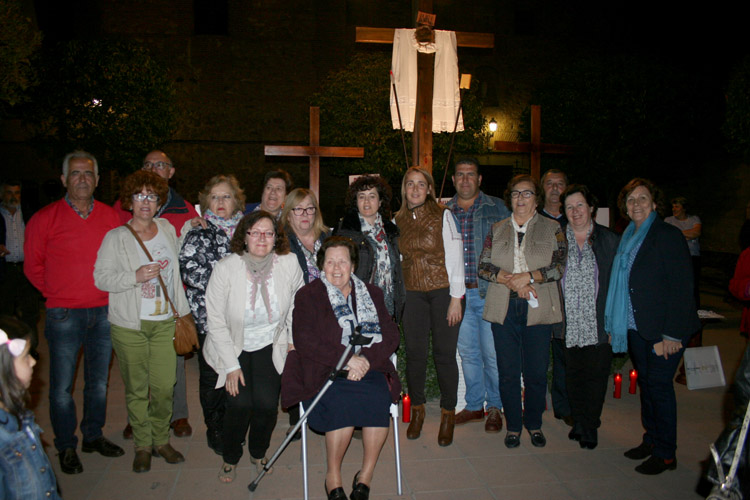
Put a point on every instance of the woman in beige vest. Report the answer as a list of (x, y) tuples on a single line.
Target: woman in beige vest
[(433, 266), (523, 258)]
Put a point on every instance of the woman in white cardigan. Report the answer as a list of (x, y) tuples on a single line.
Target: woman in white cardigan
[(249, 302)]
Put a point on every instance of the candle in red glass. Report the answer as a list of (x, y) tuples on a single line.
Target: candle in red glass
[(618, 385), (633, 381), (406, 413)]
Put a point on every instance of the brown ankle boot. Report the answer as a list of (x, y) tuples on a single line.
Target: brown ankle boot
[(447, 422), (417, 419)]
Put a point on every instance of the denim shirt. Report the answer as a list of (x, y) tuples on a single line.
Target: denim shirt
[(25, 471), (489, 211)]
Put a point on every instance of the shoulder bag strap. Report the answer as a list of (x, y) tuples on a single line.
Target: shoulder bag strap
[(161, 281)]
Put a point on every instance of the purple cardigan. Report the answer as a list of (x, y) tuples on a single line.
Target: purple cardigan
[(318, 347)]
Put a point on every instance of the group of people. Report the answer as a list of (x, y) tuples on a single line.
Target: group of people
[(277, 296)]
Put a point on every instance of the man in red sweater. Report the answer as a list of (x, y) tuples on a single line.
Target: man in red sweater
[(177, 211), (60, 247)]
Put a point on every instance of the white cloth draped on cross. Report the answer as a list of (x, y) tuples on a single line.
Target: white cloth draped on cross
[(446, 94)]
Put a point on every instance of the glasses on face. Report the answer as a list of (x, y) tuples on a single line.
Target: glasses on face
[(307, 211), (523, 194), (158, 165), (258, 234), (143, 197), (221, 197)]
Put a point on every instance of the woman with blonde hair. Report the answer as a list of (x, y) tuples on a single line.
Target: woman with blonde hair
[(433, 267), (304, 226)]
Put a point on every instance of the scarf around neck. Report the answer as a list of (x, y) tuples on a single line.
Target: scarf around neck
[(519, 248), (259, 273), (366, 316), (227, 225), (618, 297)]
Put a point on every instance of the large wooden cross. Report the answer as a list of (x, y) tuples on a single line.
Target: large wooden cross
[(535, 147), (422, 136), (315, 151)]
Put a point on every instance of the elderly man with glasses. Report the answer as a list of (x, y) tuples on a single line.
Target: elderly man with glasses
[(178, 212)]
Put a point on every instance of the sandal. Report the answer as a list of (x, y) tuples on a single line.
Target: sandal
[(260, 463), (228, 473)]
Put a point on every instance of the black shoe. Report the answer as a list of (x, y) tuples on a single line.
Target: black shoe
[(360, 491), (640, 452), (574, 435), (213, 438), (538, 439), (297, 435), (69, 462), (103, 446), (655, 465), (335, 494), (512, 440), (589, 439)]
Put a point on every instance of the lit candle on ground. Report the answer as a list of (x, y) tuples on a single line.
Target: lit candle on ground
[(618, 385), (406, 413), (633, 381)]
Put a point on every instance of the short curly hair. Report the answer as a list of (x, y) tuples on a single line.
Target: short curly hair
[(338, 241), (657, 195), (234, 186), (517, 180), (365, 183), (591, 200), (237, 245), (137, 181)]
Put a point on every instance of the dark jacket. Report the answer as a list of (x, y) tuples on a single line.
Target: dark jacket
[(318, 347), (350, 227), (295, 247), (661, 285), (604, 243)]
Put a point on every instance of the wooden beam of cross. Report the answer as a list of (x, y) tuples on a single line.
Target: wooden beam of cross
[(422, 136), (535, 147), (315, 151)]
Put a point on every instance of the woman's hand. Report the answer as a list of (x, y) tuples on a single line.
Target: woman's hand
[(454, 312), (526, 292), (289, 347), (146, 272), (358, 367), (518, 280), (198, 221), (671, 347), (234, 379)]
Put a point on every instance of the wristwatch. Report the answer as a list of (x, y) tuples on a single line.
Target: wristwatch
[(531, 279)]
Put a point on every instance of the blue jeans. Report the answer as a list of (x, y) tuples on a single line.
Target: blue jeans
[(478, 361), (522, 350), (658, 402), (66, 331)]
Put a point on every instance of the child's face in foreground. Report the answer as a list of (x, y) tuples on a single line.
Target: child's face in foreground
[(24, 366)]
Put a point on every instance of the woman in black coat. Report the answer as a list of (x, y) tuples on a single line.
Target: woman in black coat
[(367, 222)]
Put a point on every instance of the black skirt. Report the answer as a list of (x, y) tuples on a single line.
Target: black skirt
[(348, 403)]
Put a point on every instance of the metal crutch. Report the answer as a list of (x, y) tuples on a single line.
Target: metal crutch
[(357, 339)]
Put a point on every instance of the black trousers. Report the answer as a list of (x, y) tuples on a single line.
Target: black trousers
[(19, 298), (213, 401), (587, 377), (426, 312), (255, 407), (559, 388)]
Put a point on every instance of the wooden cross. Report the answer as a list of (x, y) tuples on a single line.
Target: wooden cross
[(422, 136), (315, 151), (535, 147)]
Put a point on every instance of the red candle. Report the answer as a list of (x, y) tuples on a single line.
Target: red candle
[(633, 381), (618, 385), (406, 413)]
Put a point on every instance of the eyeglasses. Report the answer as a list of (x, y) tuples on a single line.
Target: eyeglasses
[(257, 234), (306, 211), (158, 165), (153, 198), (523, 194), (223, 197)]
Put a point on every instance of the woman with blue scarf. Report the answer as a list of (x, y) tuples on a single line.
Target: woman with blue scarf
[(651, 313), (221, 202), (326, 312)]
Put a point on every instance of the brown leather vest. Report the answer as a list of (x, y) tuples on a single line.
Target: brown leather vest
[(422, 248)]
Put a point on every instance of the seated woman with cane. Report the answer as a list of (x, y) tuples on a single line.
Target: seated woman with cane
[(326, 313)]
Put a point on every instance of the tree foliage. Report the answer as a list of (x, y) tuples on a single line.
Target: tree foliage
[(355, 101), (19, 40), (737, 122), (111, 98), (626, 117)]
